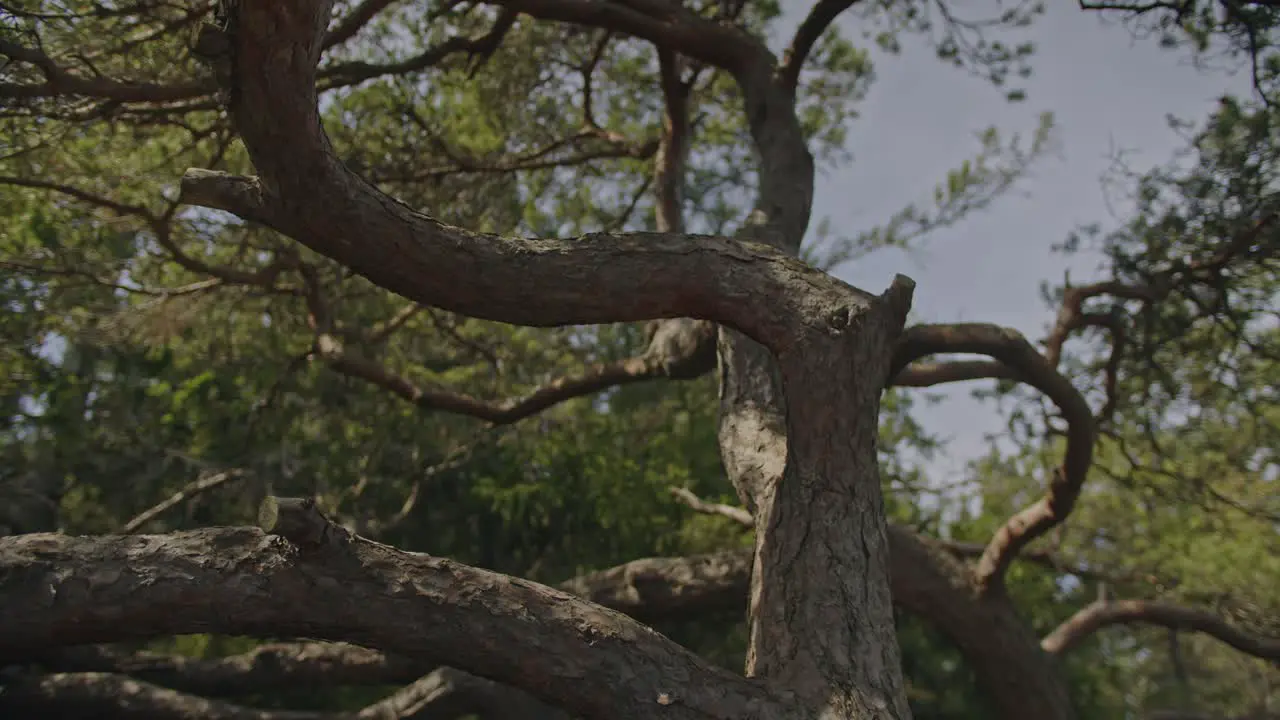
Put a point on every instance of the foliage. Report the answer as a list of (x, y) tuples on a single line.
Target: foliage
[(1181, 500), (148, 345)]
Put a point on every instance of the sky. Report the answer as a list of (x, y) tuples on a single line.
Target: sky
[(1107, 90)]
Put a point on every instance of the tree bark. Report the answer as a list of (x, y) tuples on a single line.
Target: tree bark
[(821, 609), (799, 444), (1018, 677), (762, 294), (565, 651)]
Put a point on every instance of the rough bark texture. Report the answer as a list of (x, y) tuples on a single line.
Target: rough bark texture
[(443, 694), (927, 580), (802, 360), (1019, 680), (762, 295), (800, 448), (62, 590), (822, 616)]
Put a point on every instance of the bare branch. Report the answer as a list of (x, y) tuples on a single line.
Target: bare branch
[(820, 17), (379, 333), (1071, 316), (592, 379), (65, 590), (352, 22), (667, 25), (194, 288), (538, 159), (99, 695), (597, 278), (673, 152), (679, 349), (58, 81), (454, 459), (118, 208), (928, 374), (196, 487), (266, 667), (697, 504), (684, 350), (1098, 615), (479, 48), (1014, 352), (588, 72)]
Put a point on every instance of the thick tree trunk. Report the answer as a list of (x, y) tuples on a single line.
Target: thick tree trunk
[(804, 461), (821, 610)]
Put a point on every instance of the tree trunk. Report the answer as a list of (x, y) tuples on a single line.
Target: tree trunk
[(1019, 678), (821, 610), (803, 459)]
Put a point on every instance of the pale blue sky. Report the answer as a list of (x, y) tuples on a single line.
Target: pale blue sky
[(1106, 89)]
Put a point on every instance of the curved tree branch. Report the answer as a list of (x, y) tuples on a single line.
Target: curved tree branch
[(308, 194), (63, 590), (598, 278), (104, 696), (1015, 359), (806, 318), (820, 17), (1014, 352), (351, 23), (266, 667), (657, 362), (667, 25), (925, 582), (928, 374), (1100, 614)]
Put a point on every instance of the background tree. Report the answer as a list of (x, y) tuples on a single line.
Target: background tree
[(210, 362)]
